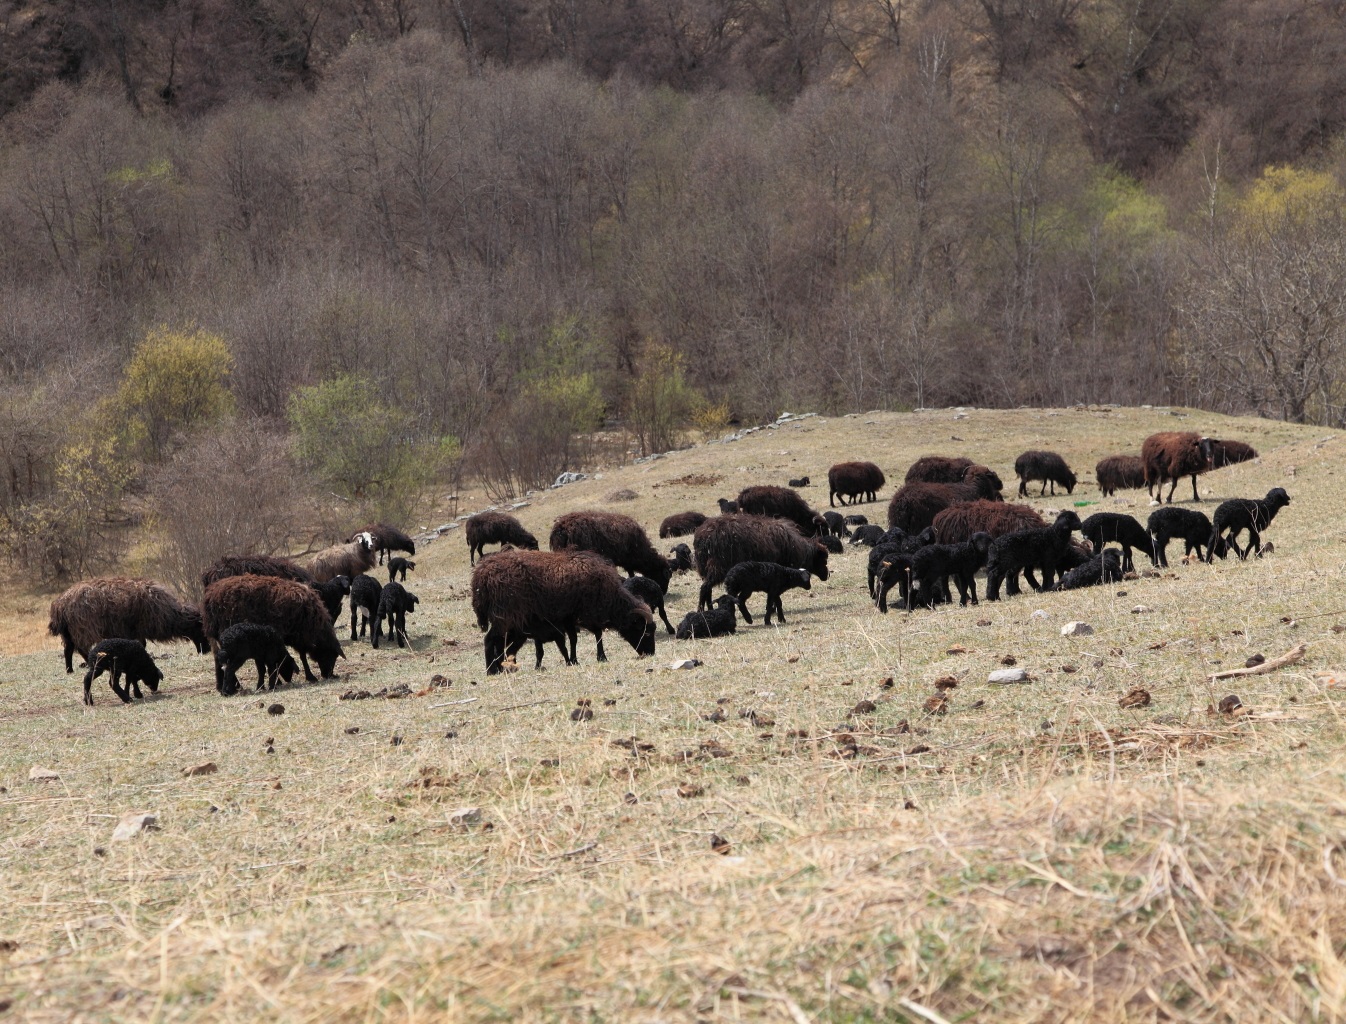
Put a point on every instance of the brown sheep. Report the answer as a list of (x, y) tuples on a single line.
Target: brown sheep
[(914, 506), (350, 559), (957, 523), (781, 503), (385, 540), (616, 537), (552, 595), (1119, 472), (1172, 455), (496, 528), (937, 469), (257, 565), (680, 524), (293, 610), (1230, 453), (721, 543), (115, 607), (854, 480)]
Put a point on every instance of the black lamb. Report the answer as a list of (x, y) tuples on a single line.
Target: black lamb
[(836, 524), (1104, 567), (122, 658), (680, 558), (1251, 514), (833, 544), (895, 542), (334, 591), (262, 645), (365, 594), (857, 520), (727, 506), (718, 621), (1103, 528), (642, 588), (1023, 550), (1048, 467), (748, 578), (869, 535), (1193, 527), (395, 601), (931, 567), (395, 566), (803, 481)]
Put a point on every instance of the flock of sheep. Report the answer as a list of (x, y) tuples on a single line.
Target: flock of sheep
[(947, 522)]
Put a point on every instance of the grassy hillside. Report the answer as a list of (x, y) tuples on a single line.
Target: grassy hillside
[(1035, 853)]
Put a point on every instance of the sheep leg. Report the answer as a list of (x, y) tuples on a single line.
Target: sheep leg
[(703, 599), (601, 654), (664, 615), (120, 689), (1195, 496), (742, 601), (780, 608), (1254, 541), (134, 684), (88, 683), (308, 672), (69, 653), (1012, 582), (1044, 488), (971, 584), (495, 651), (400, 628), (1029, 578)]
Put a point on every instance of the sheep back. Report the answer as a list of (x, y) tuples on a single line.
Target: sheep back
[(721, 543), (350, 559), (937, 469), (959, 522), (293, 610), (616, 537), (1172, 455), (496, 528), (854, 480), (1119, 472), (780, 503), (255, 565), (680, 524), (1230, 453), (122, 608)]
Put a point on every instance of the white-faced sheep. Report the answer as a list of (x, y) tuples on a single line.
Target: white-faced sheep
[(120, 608), (748, 578), (718, 620), (385, 539), (496, 528), (1170, 522), (1104, 528), (294, 610), (1234, 516), (1048, 467), (348, 559), (262, 645), (1042, 548), (1172, 455), (122, 658)]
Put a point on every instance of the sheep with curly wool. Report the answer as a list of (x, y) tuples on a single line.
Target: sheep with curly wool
[(495, 528), (1234, 516), (719, 620), (1119, 472), (1048, 467), (748, 578), (1103, 528), (1042, 548), (1104, 567), (1169, 522), (120, 658)]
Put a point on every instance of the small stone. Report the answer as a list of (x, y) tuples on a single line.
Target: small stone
[(275, 709), (36, 774), (132, 825), (464, 817), (1136, 697), (208, 768), (685, 663), (1141, 609), (1077, 629), (1008, 675), (1039, 613)]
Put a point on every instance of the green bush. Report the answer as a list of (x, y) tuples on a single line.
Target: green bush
[(175, 381)]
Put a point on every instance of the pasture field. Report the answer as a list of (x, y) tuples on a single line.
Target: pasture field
[(1036, 852)]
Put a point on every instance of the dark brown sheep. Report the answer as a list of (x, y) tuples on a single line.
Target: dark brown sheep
[(958, 523), (1172, 455), (496, 528), (937, 469), (1229, 453), (680, 524), (1049, 467), (257, 565), (854, 480), (721, 543), (348, 559), (781, 503), (915, 506), (616, 537), (293, 610), (115, 607), (386, 539), (549, 594), (1119, 472)]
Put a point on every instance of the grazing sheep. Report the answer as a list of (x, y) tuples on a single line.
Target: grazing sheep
[(1229, 453), (1119, 472), (365, 594), (893, 569), (294, 610), (348, 559), (262, 645), (120, 608), (618, 538), (895, 542), (395, 602), (932, 566), (679, 558), (1172, 455), (122, 657), (1234, 516), (868, 535), (748, 578), (833, 544), (781, 503), (496, 528), (803, 481), (680, 524), (914, 506), (1104, 567), (854, 480), (399, 565), (727, 506), (1043, 548), (1167, 523), (642, 588), (1103, 528), (717, 621), (256, 565), (538, 593), (332, 593), (836, 524), (856, 520), (385, 539), (958, 523), (1045, 466), (937, 469), (723, 542)]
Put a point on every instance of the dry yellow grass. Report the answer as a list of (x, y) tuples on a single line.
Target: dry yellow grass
[(1035, 853)]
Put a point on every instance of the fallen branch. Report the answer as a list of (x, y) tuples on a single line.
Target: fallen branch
[(451, 703), (1288, 658), (575, 852), (531, 704)]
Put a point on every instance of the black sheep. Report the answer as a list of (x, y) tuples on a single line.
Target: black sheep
[(857, 520), (803, 481), (1119, 471), (748, 578), (1251, 514), (1103, 528), (727, 506), (396, 566), (869, 535), (642, 588), (931, 567), (333, 592), (262, 645), (395, 601), (718, 621), (365, 594), (1042, 547), (1045, 466), (833, 544), (836, 524), (495, 528), (681, 524), (854, 480), (122, 658), (895, 542), (1170, 522), (679, 558), (1104, 567)]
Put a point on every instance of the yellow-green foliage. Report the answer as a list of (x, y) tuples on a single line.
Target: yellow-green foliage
[(176, 380), (1286, 197), (660, 400)]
